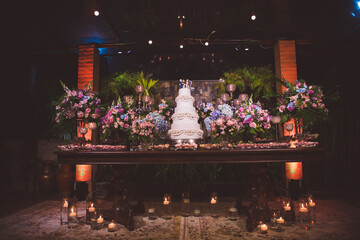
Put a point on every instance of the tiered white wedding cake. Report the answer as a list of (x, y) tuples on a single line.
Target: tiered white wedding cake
[(185, 124)]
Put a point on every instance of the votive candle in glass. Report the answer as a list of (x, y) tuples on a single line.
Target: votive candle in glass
[(90, 212), (304, 214), (64, 211), (312, 211), (233, 216), (151, 213), (167, 206), (72, 216), (214, 205), (112, 227), (185, 204)]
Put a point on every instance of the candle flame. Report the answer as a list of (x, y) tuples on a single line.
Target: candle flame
[(287, 204), (92, 204), (72, 209)]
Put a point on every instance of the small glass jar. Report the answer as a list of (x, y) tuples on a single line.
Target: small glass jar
[(233, 216), (185, 204), (262, 228), (197, 213), (90, 211), (64, 209), (112, 226), (167, 206), (72, 216), (304, 214), (152, 213), (214, 205), (274, 215), (312, 210)]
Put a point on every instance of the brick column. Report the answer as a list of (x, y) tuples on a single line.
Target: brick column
[(286, 69), (88, 66), (88, 70)]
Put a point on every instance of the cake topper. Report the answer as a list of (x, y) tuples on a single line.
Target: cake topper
[(186, 84)]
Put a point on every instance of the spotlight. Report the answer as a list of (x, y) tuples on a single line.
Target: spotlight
[(358, 4), (96, 13), (181, 46), (206, 43), (246, 49), (129, 51), (150, 42), (253, 17), (119, 52), (236, 49)]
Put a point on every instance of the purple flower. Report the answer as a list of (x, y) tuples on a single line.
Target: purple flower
[(248, 119), (290, 106)]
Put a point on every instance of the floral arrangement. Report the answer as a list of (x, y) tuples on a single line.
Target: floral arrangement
[(300, 101), (223, 128), (253, 120), (78, 104), (142, 129), (165, 110)]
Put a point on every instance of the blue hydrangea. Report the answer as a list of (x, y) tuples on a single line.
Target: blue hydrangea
[(207, 122), (159, 121), (226, 110), (215, 114)]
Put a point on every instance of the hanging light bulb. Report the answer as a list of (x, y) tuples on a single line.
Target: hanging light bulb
[(253, 16), (206, 43), (181, 46), (96, 13), (150, 42)]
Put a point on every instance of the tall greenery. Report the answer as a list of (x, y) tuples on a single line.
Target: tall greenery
[(259, 80), (124, 83)]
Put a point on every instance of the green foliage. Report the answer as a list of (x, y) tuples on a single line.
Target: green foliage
[(260, 80), (145, 81), (120, 84)]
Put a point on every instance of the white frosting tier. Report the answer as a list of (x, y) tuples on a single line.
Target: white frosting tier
[(185, 124), (185, 134), (184, 91)]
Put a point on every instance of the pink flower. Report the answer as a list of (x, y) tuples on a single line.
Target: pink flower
[(88, 110), (252, 125)]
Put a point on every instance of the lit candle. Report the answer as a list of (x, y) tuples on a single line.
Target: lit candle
[(263, 227), (100, 220), (311, 203), (213, 201), (73, 213), (66, 204), (280, 220), (166, 201), (287, 207), (111, 225), (303, 209), (91, 208)]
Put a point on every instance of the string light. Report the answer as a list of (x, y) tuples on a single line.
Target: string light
[(150, 42), (96, 13), (206, 43), (181, 46)]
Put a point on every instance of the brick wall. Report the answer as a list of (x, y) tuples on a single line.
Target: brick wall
[(285, 61), (88, 66)]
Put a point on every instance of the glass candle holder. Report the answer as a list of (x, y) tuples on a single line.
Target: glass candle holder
[(152, 213), (214, 205), (312, 211), (167, 206), (72, 216), (112, 226), (304, 214), (64, 209), (233, 216), (262, 228), (225, 97), (185, 204), (288, 212), (197, 213), (90, 211), (274, 215)]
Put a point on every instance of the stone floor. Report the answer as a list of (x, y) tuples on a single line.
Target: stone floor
[(336, 219)]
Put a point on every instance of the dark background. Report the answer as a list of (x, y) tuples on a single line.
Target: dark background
[(41, 49)]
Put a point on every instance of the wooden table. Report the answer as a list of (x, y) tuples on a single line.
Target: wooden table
[(191, 156), (122, 159)]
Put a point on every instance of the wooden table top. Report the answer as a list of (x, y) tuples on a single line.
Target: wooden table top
[(191, 156)]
